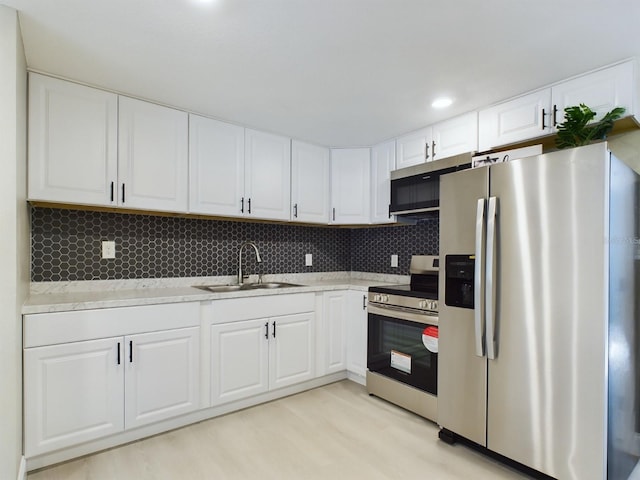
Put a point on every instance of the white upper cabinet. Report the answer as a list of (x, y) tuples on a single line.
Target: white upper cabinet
[(310, 176), (538, 113), (414, 148), (350, 185), (383, 160), (455, 136), (516, 120), (73, 142), (601, 91), (153, 164), (216, 166), (267, 191)]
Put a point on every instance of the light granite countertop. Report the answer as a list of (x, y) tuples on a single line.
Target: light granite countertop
[(49, 297)]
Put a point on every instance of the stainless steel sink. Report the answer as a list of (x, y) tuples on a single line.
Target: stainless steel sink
[(270, 285), (245, 286), (219, 288)]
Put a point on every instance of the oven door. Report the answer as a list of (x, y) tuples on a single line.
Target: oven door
[(395, 348)]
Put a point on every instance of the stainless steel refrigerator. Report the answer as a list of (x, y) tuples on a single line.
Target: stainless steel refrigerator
[(537, 349)]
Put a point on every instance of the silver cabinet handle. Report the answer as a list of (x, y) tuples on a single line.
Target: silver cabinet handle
[(433, 150), (478, 297), (491, 280), (426, 152)]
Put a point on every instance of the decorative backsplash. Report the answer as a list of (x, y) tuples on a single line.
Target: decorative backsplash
[(66, 246)]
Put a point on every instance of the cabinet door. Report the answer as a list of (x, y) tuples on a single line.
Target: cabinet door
[(601, 91), (239, 360), (516, 120), (357, 333), (153, 163), (414, 148), (216, 163), (309, 183), (383, 160), (73, 393), (267, 175), (350, 185), (291, 350), (72, 142), (335, 331), (162, 375), (455, 136)]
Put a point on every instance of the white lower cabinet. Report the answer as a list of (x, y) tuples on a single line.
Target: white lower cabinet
[(334, 331), (73, 393), (79, 390), (252, 355), (357, 333), (161, 375)]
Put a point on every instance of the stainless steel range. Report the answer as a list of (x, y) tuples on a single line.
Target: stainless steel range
[(402, 349)]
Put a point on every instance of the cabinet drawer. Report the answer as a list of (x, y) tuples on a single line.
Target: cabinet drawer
[(234, 309), (63, 327)]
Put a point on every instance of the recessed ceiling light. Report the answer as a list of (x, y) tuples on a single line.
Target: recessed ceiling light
[(442, 102)]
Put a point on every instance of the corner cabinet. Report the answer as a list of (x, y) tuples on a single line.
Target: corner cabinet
[(78, 389), (250, 355), (350, 185), (310, 177), (73, 142)]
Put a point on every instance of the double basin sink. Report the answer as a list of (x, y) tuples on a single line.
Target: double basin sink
[(245, 286)]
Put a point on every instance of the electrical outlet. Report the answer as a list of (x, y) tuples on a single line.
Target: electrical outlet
[(394, 261), (308, 260), (109, 249)]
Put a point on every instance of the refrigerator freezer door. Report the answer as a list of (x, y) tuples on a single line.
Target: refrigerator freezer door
[(462, 375), (546, 386)]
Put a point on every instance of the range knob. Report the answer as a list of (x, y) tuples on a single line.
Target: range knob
[(422, 304)]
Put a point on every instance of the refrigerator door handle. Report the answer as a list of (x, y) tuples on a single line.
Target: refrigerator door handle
[(489, 300), (478, 284)]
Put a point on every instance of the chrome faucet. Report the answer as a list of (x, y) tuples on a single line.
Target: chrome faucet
[(258, 259)]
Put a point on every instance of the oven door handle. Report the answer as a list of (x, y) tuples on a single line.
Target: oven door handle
[(402, 314), (478, 284)]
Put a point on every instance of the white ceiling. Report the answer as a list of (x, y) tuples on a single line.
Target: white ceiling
[(332, 72)]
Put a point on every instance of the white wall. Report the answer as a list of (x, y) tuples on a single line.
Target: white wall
[(14, 241)]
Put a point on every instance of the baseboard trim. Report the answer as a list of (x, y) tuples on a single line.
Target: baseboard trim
[(22, 471)]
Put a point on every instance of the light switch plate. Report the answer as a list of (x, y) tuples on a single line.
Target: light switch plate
[(394, 261), (308, 260), (109, 249)]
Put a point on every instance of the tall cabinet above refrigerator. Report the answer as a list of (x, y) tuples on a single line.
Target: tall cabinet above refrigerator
[(537, 354)]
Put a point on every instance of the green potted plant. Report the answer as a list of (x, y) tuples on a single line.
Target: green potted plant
[(576, 129)]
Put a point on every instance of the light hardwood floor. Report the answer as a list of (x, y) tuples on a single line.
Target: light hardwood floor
[(334, 432)]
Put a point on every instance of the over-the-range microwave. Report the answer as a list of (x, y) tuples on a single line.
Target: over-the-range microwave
[(415, 190)]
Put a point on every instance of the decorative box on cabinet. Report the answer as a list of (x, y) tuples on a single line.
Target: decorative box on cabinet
[(93, 373)]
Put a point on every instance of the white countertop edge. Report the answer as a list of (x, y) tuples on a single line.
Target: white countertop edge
[(126, 293)]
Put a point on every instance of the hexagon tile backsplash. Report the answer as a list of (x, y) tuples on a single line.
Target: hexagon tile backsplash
[(66, 245)]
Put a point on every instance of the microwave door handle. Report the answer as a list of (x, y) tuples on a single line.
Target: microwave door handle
[(491, 279), (478, 283)]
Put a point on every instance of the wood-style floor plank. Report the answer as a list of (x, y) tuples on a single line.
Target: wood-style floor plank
[(334, 432)]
